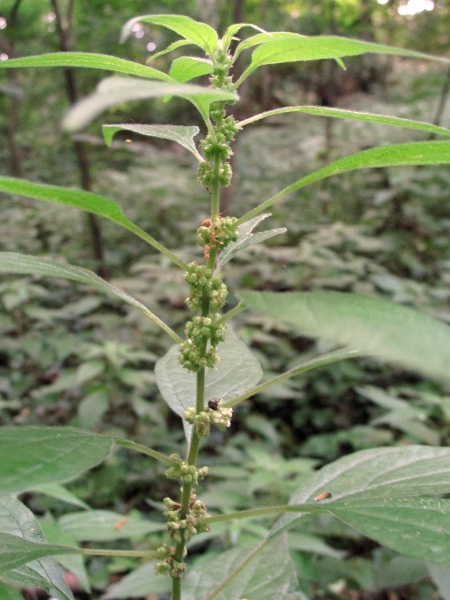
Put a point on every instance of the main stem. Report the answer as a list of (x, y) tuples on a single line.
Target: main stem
[(200, 395)]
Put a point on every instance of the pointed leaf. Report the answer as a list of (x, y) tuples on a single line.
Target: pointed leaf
[(142, 582), (418, 527), (177, 133), (60, 493), (33, 456), (200, 34), (105, 525), (414, 153), (298, 48), (117, 90), (372, 326), (237, 372), (262, 38), (88, 60), (263, 572), (247, 238), (170, 48), (338, 113), (186, 68), (16, 551), (94, 203), (10, 262), (17, 520), (232, 30), (375, 474)]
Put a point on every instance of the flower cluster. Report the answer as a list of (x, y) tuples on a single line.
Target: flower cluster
[(167, 564), (184, 471), (219, 416), (217, 232), (193, 522), (203, 284)]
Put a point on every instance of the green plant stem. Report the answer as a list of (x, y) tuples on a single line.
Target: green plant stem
[(261, 512), (231, 313), (145, 450), (315, 363), (113, 553)]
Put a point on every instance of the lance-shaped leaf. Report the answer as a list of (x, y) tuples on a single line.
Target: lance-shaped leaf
[(94, 203), (264, 572), (17, 520), (247, 238), (105, 525), (296, 47), (413, 153), (117, 90), (88, 60), (186, 68), (11, 262), (33, 456), (237, 372), (200, 34), (232, 30), (373, 326), (338, 113), (170, 48), (16, 551), (183, 135), (372, 475)]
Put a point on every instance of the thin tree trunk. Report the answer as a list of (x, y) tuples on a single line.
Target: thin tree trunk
[(64, 26)]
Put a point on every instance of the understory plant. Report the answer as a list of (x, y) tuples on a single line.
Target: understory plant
[(392, 495)]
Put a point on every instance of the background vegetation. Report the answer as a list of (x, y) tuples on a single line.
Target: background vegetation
[(68, 357)]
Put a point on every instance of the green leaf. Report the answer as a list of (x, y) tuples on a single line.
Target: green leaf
[(375, 474), (339, 113), (10, 262), (94, 203), (418, 527), (17, 520), (372, 326), (178, 133), (247, 238), (441, 578), (104, 525), (186, 68), (413, 153), (262, 38), (232, 30), (60, 493), (237, 372), (142, 582), (296, 47), (88, 60), (117, 90), (200, 34), (263, 572), (170, 48), (33, 456), (9, 593), (16, 551)]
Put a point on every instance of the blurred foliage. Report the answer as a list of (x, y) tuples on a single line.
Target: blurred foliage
[(71, 357)]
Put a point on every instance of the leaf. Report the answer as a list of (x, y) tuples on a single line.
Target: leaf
[(104, 525), (413, 153), (17, 520), (296, 47), (200, 34), (186, 68), (170, 48), (60, 493), (237, 372), (10, 262), (177, 133), (9, 593), (263, 572), (88, 60), (94, 203), (374, 474), (117, 90), (247, 238), (16, 551), (33, 456), (441, 578), (372, 326), (232, 30), (418, 527), (339, 113), (140, 582)]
